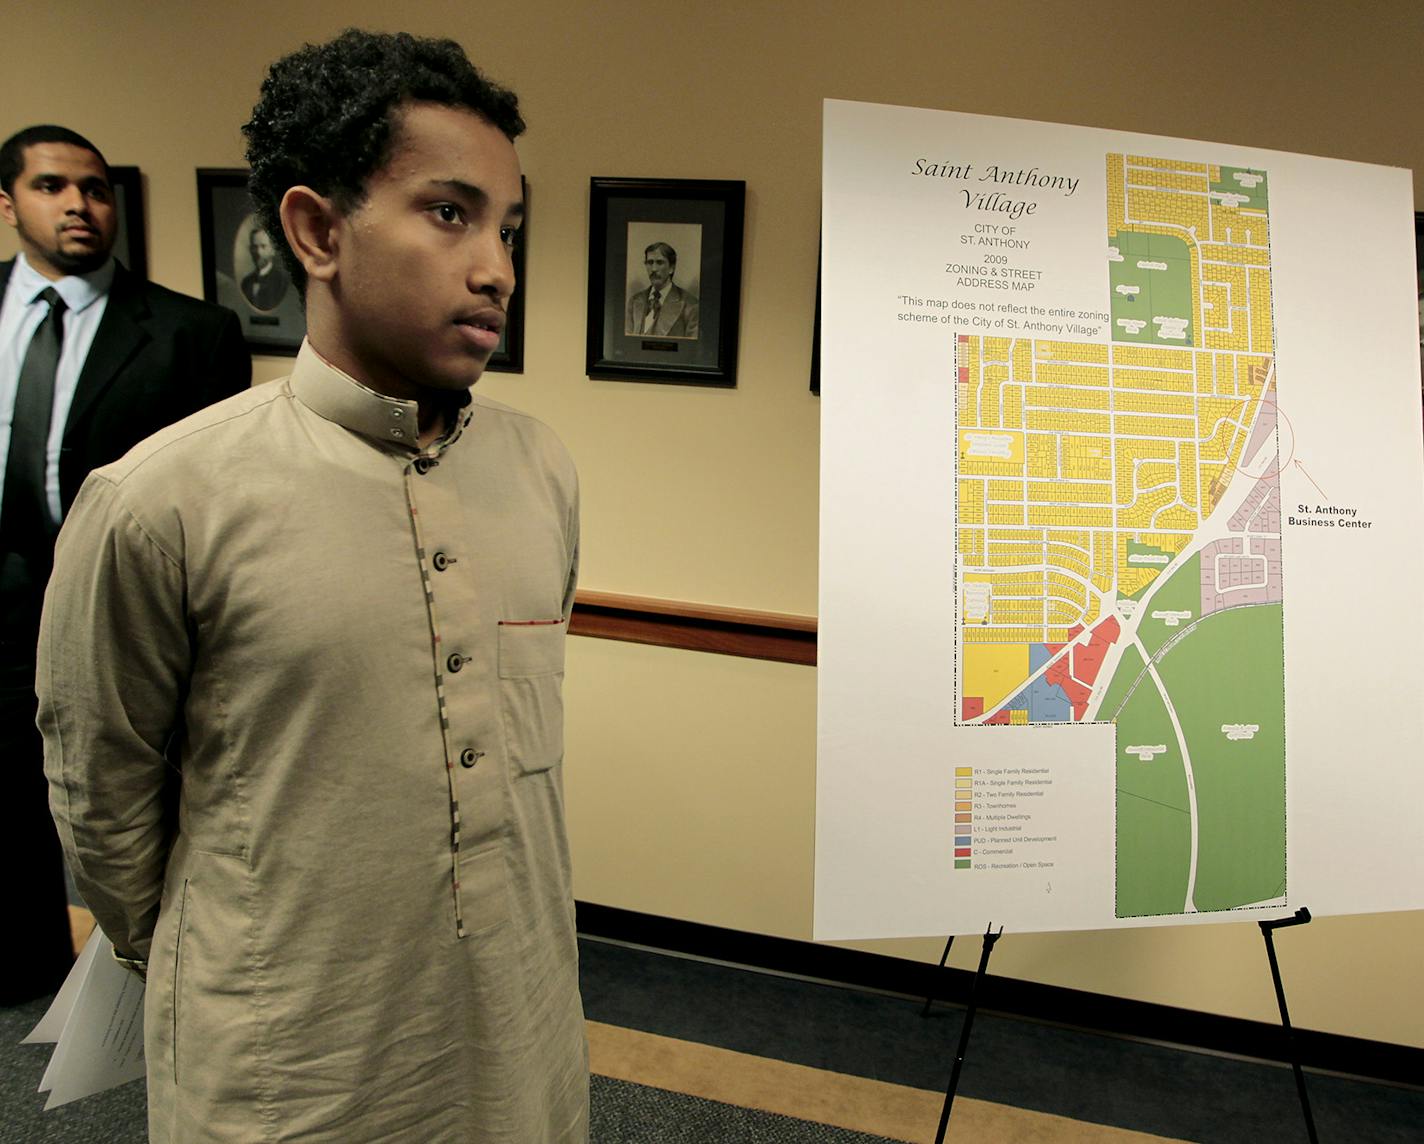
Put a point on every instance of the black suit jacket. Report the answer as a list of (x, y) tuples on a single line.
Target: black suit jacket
[(157, 356)]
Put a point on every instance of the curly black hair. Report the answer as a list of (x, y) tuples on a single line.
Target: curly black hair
[(327, 113)]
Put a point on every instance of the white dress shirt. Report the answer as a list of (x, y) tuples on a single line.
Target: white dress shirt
[(86, 297)]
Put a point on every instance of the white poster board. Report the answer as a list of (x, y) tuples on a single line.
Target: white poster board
[(1121, 531)]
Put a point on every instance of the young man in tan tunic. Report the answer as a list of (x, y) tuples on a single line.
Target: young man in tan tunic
[(302, 658)]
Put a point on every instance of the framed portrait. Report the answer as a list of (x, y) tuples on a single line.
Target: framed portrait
[(241, 267), (508, 356), (131, 242), (665, 279)]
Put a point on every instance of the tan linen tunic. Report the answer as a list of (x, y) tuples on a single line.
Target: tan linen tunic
[(356, 904)]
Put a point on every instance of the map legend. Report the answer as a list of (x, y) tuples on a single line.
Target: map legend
[(963, 816)]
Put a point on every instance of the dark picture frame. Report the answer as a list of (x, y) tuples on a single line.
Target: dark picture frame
[(816, 333), (1419, 278), (688, 335), (131, 242), (266, 301), (508, 356)]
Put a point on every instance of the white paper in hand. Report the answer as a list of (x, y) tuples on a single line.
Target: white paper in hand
[(98, 1015)]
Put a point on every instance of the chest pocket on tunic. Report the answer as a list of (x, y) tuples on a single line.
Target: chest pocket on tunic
[(531, 682)]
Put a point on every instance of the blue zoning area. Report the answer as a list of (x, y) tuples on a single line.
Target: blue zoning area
[(1045, 702)]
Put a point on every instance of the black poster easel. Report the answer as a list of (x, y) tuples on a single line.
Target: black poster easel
[(971, 1006), (1268, 928), (1299, 918)]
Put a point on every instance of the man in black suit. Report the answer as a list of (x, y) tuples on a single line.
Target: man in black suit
[(664, 309), (92, 360), (267, 284)]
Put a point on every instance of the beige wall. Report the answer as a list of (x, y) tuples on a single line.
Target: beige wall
[(691, 777)]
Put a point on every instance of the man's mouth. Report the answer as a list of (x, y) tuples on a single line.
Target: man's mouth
[(483, 329)]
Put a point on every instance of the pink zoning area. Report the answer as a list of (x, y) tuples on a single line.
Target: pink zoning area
[(1246, 569)]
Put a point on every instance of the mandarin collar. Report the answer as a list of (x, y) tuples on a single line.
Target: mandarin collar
[(337, 396)]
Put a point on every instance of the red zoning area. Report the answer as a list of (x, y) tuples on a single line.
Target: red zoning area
[(1088, 659), (1087, 662), (1077, 684)]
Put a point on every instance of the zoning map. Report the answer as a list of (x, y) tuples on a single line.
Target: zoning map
[(1118, 519)]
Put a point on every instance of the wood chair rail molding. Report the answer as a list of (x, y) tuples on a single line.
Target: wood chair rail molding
[(695, 627)]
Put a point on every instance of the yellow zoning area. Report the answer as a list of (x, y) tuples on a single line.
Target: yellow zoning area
[(994, 671), (1263, 326), (1041, 450), (1069, 516), (1115, 442), (1052, 421), (1187, 214), (1011, 407), (1116, 193), (1174, 180), (971, 545), (1067, 397), (1132, 578), (1150, 357), (984, 634), (1176, 427), (1213, 253), (1236, 309), (1069, 373), (1088, 353), (1012, 606), (1086, 458), (1159, 164), (1237, 226), (1078, 492), (1164, 404), (1156, 379)]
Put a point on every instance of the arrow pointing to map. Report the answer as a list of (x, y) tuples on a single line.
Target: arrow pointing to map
[(1311, 479)]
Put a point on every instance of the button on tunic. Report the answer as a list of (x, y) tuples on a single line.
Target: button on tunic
[(359, 916)]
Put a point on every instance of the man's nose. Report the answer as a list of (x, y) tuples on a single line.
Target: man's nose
[(74, 200), (492, 271)]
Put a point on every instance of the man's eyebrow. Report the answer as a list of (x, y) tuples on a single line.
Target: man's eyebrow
[(476, 195)]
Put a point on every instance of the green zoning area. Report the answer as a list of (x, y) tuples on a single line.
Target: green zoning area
[(1229, 673), (1244, 181), (1128, 669), (1154, 839), (1160, 616), (1155, 272), (1146, 557)]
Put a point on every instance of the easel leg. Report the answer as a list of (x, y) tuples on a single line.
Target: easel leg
[(990, 937), (1302, 916), (931, 997)]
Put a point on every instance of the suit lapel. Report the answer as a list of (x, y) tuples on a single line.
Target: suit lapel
[(121, 333), (671, 311)]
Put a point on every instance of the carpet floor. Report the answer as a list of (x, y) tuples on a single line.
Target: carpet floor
[(691, 1051)]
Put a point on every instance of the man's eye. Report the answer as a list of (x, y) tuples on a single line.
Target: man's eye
[(509, 235), (449, 212)]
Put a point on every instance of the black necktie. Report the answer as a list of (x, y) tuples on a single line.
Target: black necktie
[(25, 511)]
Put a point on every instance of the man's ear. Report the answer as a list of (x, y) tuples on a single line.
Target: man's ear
[(7, 208), (312, 225)]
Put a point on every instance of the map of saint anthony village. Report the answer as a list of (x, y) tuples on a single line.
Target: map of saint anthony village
[(1119, 532)]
